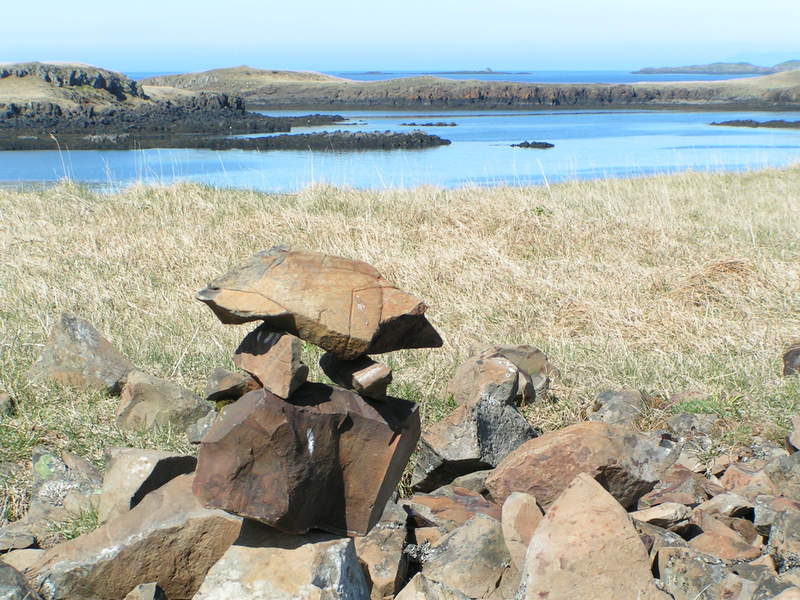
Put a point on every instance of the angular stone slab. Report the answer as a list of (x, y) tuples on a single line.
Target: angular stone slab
[(325, 458), (77, 355), (132, 473), (381, 553), (520, 518), (364, 375), (223, 385), (274, 359), (587, 547), (628, 463), (448, 507), (341, 305), (147, 402), (265, 564), (169, 539)]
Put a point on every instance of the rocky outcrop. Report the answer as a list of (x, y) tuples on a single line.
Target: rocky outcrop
[(77, 75)]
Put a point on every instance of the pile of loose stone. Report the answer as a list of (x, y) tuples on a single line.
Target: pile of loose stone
[(290, 496)]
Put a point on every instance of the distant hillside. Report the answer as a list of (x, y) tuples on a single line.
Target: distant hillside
[(236, 79), (326, 94), (722, 68)]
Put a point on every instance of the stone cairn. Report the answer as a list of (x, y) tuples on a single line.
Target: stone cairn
[(295, 454)]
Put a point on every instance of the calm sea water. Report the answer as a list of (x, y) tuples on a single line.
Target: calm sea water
[(588, 144)]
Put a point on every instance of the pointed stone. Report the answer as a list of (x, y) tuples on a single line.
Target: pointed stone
[(341, 305), (521, 517), (77, 355), (132, 473), (325, 458), (147, 402), (274, 359), (474, 560), (146, 591), (586, 547), (364, 375), (627, 462), (422, 588), (168, 538), (265, 564)]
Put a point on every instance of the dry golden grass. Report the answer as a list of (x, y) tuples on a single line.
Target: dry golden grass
[(666, 284)]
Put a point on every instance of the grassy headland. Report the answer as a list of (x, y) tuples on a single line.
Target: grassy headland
[(263, 89), (666, 284)]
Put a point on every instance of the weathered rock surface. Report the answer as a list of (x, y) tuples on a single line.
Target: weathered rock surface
[(132, 473), (784, 539), (22, 559), (473, 559), (13, 585), (274, 359), (586, 547), (169, 538), (265, 564), (422, 588), (520, 518), (381, 553), (147, 402), (721, 541), (483, 430), (448, 507), (196, 431), (77, 355), (341, 305), (324, 458), (681, 485), (364, 375), (688, 574), (791, 361), (626, 462), (146, 591), (223, 385), (666, 515), (622, 407)]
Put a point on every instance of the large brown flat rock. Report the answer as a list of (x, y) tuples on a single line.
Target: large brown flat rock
[(341, 305)]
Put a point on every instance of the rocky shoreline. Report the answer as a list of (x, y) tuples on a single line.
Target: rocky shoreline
[(85, 108), (776, 124)]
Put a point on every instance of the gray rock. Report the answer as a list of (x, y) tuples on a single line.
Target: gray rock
[(198, 430), (147, 402), (784, 472), (422, 588), (479, 433), (622, 407), (475, 482), (791, 361), (265, 564), (691, 575), (784, 539), (689, 425), (77, 355), (381, 553), (13, 585), (8, 406), (474, 560)]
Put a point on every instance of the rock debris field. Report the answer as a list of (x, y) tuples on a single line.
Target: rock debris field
[(293, 493)]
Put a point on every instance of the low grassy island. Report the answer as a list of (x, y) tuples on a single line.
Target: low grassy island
[(775, 124)]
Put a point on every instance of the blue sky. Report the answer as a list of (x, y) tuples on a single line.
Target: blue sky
[(176, 35)]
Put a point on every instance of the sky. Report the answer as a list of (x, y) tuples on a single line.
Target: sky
[(177, 35)]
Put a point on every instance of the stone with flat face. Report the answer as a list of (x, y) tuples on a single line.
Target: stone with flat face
[(341, 305), (364, 375), (274, 359), (325, 458)]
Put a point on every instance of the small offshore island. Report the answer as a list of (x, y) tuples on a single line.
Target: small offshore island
[(54, 106)]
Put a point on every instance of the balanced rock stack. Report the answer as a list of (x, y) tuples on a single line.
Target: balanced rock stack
[(298, 455)]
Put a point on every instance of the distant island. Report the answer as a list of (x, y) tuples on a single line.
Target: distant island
[(776, 124), (722, 68)]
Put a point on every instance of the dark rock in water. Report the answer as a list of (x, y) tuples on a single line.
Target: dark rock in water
[(432, 124), (774, 124), (77, 355), (325, 458), (344, 306), (540, 145)]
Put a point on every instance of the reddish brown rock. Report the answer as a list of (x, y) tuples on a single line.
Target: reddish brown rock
[(77, 355), (168, 538), (679, 484), (274, 359), (225, 386), (484, 377), (381, 553), (666, 515), (448, 507), (586, 547), (364, 375), (721, 541), (521, 517), (325, 458), (628, 463), (341, 305), (748, 480)]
